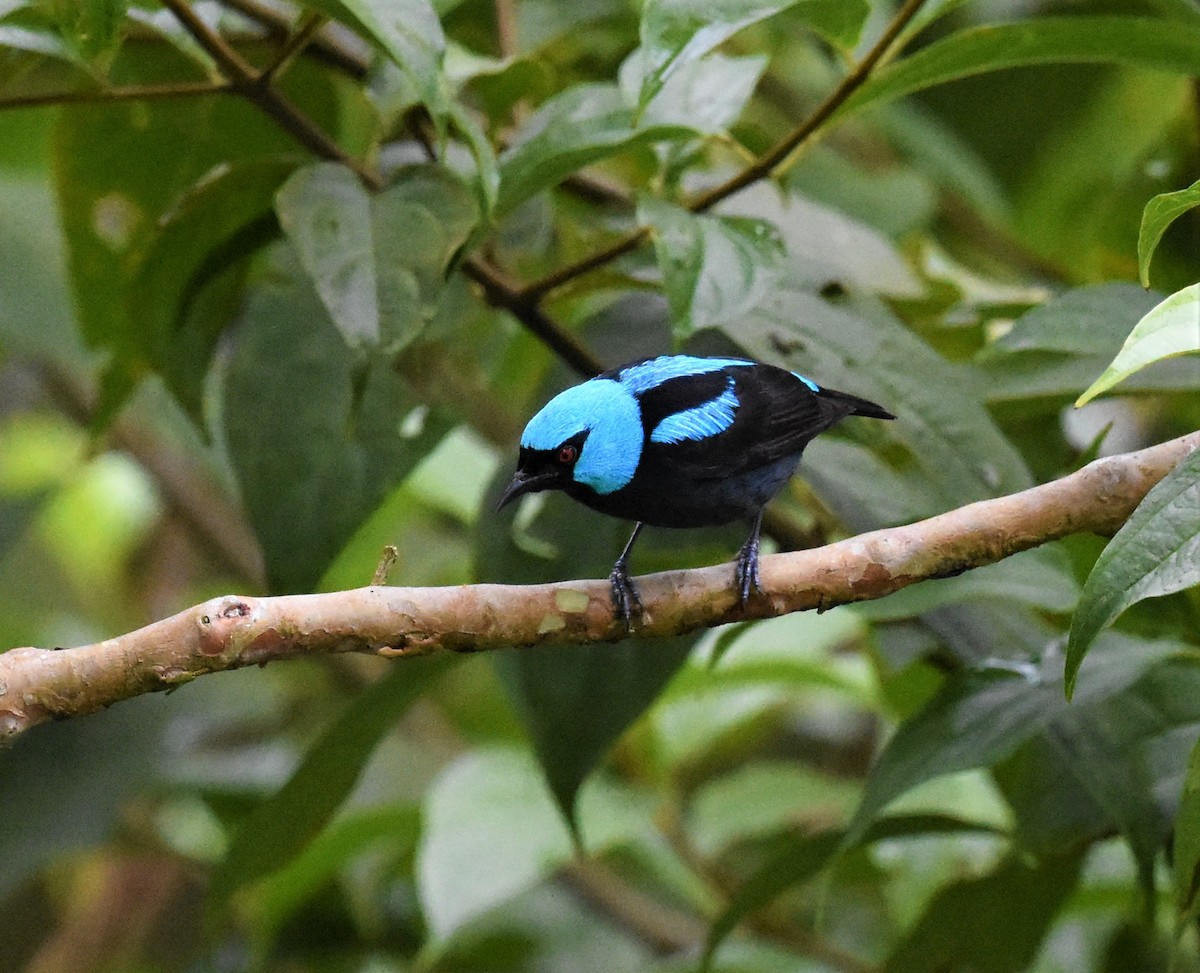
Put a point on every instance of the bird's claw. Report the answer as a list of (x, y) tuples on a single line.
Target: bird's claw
[(627, 606), (745, 574)]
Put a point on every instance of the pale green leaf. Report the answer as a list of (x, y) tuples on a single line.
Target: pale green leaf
[(677, 32)]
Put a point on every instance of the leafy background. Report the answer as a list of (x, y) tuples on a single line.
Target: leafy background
[(254, 326)]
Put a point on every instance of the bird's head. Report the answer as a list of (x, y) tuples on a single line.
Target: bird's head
[(588, 437)]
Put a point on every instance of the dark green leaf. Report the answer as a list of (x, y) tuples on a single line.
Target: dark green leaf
[(992, 924), (1172, 328), (715, 269), (1134, 41), (283, 825), (1155, 553), (793, 860), (981, 717), (582, 125), (343, 430), (1163, 210), (213, 227), (377, 261), (677, 32), (123, 168), (1187, 843)]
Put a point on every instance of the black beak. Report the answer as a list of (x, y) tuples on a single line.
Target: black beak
[(523, 483)]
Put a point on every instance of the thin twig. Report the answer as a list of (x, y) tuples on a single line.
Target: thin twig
[(235, 631), (323, 48), (183, 89), (762, 167), (246, 82), (293, 47)]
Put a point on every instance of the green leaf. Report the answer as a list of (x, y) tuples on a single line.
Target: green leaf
[(492, 831), (407, 31), (992, 924), (1155, 553), (793, 860), (1057, 348), (1163, 210), (576, 128), (982, 716), (1133, 41), (123, 179), (677, 32), (286, 823), (1187, 844), (378, 261), (715, 269), (344, 430), (214, 227), (1171, 328), (706, 96)]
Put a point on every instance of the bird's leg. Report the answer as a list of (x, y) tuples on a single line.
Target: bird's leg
[(626, 602), (745, 571)]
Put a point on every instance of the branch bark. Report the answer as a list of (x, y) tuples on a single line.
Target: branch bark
[(37, 685)]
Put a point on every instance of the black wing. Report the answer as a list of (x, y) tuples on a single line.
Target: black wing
[(776, 416)]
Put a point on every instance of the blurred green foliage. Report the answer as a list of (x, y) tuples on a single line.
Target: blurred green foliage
[(228, 360)]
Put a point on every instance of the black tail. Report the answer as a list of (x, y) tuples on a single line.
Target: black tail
[(851, 405)]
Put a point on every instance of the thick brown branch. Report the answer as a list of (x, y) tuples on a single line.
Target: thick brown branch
[(233, 631)]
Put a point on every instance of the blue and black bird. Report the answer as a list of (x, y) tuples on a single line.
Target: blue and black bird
[(679, 441)]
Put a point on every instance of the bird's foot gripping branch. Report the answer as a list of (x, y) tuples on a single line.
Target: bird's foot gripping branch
[(37, 685)]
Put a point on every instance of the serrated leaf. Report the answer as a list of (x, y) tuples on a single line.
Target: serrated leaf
[(991, 924), (1169, 329), (715, 269), (407, 31), (793, 860), (286, 823), (344, 429), (1155, 553), (575, 128), (492, 831), (1163, 210), (676, 32), (1133, 41), (378, 260)]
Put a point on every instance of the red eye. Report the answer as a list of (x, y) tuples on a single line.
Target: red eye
[(567, 454)]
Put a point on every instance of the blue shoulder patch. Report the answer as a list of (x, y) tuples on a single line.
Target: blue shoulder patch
[(614, 422), (650, 374), (813, 386), (699, 422)]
